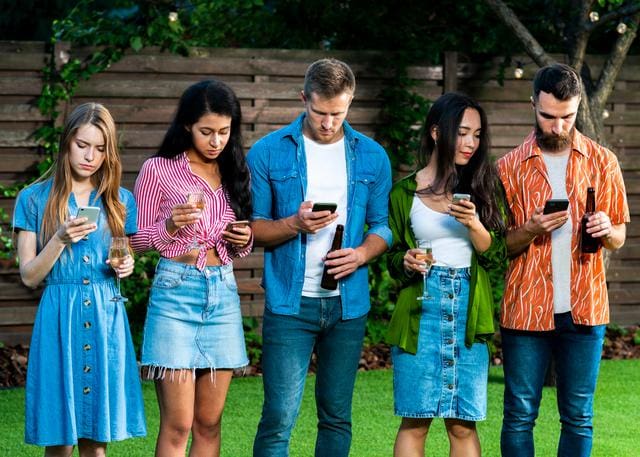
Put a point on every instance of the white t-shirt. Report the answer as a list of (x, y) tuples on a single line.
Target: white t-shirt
[(326, 182), (450, 241), (561, 237)]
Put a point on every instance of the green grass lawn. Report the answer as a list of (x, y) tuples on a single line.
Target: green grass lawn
[(616, 426)]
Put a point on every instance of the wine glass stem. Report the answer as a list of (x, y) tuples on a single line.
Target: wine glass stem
[(118, 283), (424, 284)]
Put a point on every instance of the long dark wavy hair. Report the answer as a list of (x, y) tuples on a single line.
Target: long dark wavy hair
[(213, 97), (479, 176)]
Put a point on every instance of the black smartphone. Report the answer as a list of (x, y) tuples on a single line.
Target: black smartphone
[(325, 206), (555, 204)]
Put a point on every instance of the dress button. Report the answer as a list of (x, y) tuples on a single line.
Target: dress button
[(85, 281), (87, 324), (86, 347), (450, 295), (450, 387), (87, 302), (85, 258), (449, 363), (87, 369), (86, 390), (449, 341), (449, 317)]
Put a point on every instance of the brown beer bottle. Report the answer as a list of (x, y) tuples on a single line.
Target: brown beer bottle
[(588, 244), (329, 282)]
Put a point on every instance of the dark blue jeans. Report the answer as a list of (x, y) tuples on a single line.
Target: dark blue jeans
[(576, 350), (288, 342)]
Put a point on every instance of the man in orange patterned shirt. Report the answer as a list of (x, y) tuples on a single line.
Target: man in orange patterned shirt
[(555, 302)]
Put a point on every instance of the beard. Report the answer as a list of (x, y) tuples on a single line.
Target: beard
[(552, 142)]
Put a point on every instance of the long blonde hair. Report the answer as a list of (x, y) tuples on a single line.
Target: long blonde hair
[(106, 179)]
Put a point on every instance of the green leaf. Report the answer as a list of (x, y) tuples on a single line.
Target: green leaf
[(136, 43)]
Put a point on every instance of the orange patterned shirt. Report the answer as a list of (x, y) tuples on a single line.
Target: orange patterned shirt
[(528, 297)]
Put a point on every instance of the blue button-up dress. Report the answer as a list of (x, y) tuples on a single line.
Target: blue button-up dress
[(82, 377)]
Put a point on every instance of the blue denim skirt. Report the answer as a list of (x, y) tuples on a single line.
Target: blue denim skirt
[(193, 320), (444, 378)]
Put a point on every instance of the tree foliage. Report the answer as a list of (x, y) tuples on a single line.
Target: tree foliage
[(574, 24)]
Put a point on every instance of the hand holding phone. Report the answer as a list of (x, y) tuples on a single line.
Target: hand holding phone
[(238, 233), (555, 205)]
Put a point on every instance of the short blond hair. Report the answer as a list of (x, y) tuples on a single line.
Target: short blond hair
[(329, 78)]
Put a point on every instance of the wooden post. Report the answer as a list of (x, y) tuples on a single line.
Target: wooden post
[(61, 55), (450, 72)]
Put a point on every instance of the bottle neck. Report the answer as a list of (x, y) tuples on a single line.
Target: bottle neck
[(591, 201)]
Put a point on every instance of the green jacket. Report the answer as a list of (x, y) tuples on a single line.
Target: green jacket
[(405, 321)]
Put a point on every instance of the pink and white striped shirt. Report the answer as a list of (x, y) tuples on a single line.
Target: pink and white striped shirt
[(164, 183)]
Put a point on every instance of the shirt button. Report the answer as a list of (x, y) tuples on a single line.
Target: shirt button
[(86, 390), (87, 324), (87, 369), (85, 258), (87, 302), (85, 281), (86, 347)]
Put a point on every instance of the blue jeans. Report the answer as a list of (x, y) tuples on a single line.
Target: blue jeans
[(576, 350), (288, 342)]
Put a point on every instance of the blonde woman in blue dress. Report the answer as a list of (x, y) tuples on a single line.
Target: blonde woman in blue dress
[(83, 386)]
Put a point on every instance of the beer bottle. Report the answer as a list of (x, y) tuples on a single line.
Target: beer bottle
[(588, 244), (329, 282)]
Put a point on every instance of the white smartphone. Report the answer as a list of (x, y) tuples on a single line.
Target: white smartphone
[(458, 197), (90, 212)]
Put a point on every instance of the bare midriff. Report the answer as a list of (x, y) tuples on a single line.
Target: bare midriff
[(191, 257)]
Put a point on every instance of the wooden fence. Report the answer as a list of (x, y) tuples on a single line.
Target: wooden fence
[(141, 91)]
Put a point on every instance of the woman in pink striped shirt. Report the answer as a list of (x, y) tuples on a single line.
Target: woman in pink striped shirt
[(193, 336)]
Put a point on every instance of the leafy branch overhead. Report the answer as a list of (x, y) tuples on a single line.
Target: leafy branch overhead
[(619, 18)]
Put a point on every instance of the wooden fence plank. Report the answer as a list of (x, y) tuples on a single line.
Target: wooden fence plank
[(142, 92)]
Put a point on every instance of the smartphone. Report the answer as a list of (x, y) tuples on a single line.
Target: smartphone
[(90, 212), (232, 225), (554, 205), (458, 197), (324, 206)]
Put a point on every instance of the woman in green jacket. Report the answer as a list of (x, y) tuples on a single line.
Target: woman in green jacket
[(439, 348)]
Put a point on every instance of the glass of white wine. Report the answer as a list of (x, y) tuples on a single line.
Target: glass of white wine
[(118, 251), (196, 197), (426, 256)]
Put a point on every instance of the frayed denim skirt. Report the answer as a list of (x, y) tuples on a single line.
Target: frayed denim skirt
[(444, 378), (193, 320)]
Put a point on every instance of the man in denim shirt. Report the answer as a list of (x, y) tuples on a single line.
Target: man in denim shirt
[(317, 158)]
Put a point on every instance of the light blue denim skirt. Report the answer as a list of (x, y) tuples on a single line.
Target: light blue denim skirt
[(193, 320), (444, 378)]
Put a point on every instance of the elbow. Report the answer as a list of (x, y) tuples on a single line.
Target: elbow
[(31, 283)]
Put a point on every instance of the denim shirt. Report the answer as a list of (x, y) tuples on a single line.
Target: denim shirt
[(278, 184)]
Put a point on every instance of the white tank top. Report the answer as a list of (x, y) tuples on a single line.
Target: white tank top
[(449, 238)]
